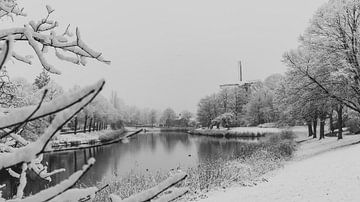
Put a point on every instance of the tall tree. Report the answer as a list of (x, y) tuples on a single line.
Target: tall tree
[(168, 116)]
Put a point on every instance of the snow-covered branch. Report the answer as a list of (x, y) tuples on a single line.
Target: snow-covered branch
[(27, 119), (23, 181), (32, 150), (16, 116), (36, 38), (41, 170), (13, 173), (9, 8), (6, 51), (59, 189)]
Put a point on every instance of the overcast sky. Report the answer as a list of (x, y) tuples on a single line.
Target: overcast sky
[(168, 53)]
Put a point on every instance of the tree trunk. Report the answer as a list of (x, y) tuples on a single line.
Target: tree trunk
[(315, 125), (85, 122), (76, 122), (340, 121), (322, 128), (310, 131), (90, 124), (331, 122), (94, 124)]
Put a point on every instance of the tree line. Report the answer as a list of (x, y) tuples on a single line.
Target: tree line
[(321, 84), (322, 80), (248, 105)]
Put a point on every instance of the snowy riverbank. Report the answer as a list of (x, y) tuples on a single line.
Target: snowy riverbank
[(326, 170), (97, 138), (236, 132)]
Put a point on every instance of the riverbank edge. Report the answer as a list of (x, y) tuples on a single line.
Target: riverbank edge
[(99, 138), (306, 147), (252, 132), (260, 158)]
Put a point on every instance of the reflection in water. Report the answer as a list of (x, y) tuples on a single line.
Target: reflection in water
[(149, 152)]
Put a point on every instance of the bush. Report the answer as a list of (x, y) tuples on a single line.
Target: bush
[(287, 135), (354, 125), (281, 145)]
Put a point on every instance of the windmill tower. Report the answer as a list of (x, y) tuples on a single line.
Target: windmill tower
[(241, 83)]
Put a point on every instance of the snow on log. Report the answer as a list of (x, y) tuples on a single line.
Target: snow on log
[(175, 193), (17, 115), (32, 150), (59, 189), (151, 193)]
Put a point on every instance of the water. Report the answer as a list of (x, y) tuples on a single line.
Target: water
[(146, 152)]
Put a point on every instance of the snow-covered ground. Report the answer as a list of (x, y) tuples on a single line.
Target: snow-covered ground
[(82, 137), (326, 170), (255, 130), (239, 131)]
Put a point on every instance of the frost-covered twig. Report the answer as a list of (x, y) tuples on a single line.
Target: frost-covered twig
[(23, 181), (13, 173), (10, 7), (151, 193), (59, 189), (6, 51), (32, 150)]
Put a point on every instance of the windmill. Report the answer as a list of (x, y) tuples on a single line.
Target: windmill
[(242, 84)]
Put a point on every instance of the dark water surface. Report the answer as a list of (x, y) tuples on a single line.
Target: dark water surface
[(145, 152)]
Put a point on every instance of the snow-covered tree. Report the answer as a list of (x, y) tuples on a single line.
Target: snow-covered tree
[(260, 108), (168, 116), (40, 36)]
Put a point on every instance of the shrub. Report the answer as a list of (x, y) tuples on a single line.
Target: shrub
[(287, 135), (353, 124)]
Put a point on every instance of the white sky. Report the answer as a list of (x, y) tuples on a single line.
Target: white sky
[(171, 53)]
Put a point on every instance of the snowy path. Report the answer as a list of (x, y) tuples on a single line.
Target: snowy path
[(331, 176)]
